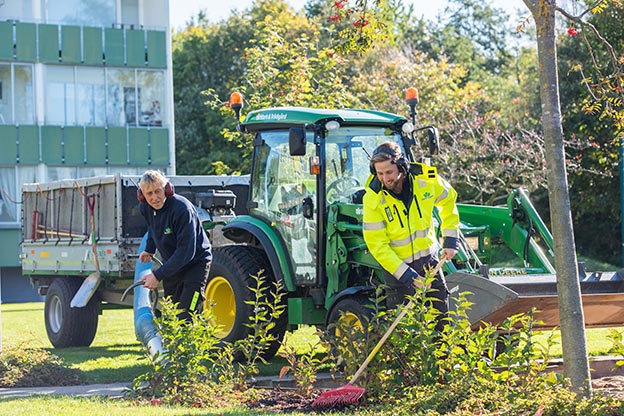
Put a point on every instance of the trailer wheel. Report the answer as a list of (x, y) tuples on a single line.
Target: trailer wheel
[(67, 326), (228, 293)]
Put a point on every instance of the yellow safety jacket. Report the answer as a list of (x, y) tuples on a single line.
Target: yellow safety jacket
[(397, 236)]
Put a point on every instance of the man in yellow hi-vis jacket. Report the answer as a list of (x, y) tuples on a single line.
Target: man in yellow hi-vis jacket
[(398, 223)]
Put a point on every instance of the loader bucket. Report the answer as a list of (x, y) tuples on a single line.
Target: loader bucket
[(499, 297)]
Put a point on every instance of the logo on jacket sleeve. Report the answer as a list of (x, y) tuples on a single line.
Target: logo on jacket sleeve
[(168, 230), (427, 195)]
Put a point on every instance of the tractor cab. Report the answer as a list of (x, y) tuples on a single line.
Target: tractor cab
[(304, 159)]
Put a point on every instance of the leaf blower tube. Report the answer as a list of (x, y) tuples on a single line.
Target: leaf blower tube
[(144, 327)]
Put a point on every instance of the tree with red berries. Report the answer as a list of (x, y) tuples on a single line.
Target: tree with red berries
[(568, 288), (543, 12)]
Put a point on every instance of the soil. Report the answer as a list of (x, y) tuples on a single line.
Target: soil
[(278, 401), (611, 386), (282, 401)]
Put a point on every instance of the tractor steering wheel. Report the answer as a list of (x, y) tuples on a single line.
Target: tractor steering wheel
[(342, 186)]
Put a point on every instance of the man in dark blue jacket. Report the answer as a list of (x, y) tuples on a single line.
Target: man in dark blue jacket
[(175, 230)]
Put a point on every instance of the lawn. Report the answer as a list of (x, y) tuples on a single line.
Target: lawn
[(115, 355)]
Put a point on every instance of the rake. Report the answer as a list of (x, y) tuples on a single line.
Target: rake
[(350, 393)]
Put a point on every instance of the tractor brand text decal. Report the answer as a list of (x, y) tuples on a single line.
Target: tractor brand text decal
[(272, 116)]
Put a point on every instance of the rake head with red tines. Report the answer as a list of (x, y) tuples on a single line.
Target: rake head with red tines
[(341, 396)]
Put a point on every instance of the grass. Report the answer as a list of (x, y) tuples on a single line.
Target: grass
[(96, 406), (115, 355)]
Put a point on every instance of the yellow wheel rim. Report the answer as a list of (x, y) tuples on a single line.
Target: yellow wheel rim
[(222, 302), (351, 321)]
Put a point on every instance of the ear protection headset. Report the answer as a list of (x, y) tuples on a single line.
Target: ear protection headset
[(397, 159), (168, 192)]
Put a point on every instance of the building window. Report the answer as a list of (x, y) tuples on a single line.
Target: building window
[(91, 97), (80, 12), (16, 94), (104, 97), (122, 97), (60, 96), (151, 83), (130, 12), (11, 179)]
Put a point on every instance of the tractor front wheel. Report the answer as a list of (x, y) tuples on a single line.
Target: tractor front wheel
[(347, 327)]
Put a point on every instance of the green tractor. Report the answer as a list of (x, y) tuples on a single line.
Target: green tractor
[(304, 230)]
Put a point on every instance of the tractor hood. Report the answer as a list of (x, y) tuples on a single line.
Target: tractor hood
[(282, 117)]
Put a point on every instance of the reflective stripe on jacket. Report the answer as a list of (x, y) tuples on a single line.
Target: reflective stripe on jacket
[(396, 236)]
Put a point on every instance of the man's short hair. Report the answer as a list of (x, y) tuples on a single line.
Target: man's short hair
[(153, 178)]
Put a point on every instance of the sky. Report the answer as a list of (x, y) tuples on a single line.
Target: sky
[(182, 10)]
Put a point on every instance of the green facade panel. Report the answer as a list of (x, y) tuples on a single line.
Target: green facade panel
[(8, 144), (6, 45), (9, 255), (73, 145), (96, 145), (156, 49), (70, 45), (92, 45), (159, 146), (26, 41), (48, 43), (52, 145), (117, 146), (135, 48), (28, 144), (114, 47), (139, 149)]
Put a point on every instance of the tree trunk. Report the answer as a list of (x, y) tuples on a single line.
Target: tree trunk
[(576, 363)]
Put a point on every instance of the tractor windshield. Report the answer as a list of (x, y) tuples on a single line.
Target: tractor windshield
[(348, 151)]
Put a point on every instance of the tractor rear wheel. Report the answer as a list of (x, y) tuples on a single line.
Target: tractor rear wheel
[(230, 296), (67, 326)]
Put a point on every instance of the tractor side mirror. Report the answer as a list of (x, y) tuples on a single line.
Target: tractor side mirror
[(297, 141), (434, 140)]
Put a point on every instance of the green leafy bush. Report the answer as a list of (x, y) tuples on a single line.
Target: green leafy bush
[(461, 370), (198, 369), (303, 367)]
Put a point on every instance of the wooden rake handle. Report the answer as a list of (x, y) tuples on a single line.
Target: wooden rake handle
[(387, 334)]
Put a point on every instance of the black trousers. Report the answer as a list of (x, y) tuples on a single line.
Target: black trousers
[(186, 288), (397, 292)]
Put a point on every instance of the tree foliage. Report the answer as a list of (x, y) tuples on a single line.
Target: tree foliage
[(591, 97), (477, 85)]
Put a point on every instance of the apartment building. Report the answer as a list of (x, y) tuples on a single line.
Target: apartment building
[(85, 90)]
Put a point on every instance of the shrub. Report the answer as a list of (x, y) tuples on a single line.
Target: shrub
[(303, 367), (198, 369), (462, 370)]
